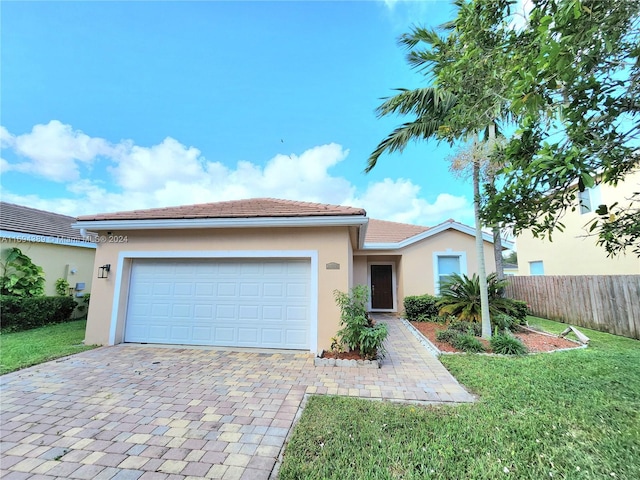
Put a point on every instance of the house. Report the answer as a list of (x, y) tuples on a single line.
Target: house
[(510, 269), (258, 272), (574, 251), (48, 239)]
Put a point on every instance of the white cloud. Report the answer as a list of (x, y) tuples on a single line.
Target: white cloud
[(400, 201), (171, 173), (54, 150)]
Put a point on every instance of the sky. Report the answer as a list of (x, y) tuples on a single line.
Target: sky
[(110, 106)]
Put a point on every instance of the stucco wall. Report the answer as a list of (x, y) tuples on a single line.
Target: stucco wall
[(57, 261), (331, 244), (414, 264), (418, 268), (572, 252)]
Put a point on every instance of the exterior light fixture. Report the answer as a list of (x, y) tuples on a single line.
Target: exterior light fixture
[(103, 271)]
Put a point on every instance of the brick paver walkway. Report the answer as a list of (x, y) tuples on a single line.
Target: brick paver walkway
[(133, 412)]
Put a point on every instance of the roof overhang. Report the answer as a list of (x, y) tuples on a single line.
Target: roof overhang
[(33, 238), (253, 222), (487, 237)]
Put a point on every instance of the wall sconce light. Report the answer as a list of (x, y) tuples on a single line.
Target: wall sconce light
[(103, 271)]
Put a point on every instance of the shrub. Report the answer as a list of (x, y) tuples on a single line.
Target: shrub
[(447, 335), (460, 296), (507, 345), (24, 313), (358, 331), (420, 308), (62, 287), (519, 311), (461, 326), (503, 322), (20, 276), (467, 343)]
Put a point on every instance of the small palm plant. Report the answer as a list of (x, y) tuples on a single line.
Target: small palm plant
[(460, 296)]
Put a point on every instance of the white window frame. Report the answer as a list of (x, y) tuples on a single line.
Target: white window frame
[(462, 256), (589, 199), (393, 286)]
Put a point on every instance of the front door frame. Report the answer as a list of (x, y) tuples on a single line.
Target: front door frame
[(394, 291)]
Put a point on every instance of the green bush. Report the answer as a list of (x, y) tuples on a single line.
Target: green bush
[(24, 313), (460, 296), (467, 343), (519, 311), (507, 345), (503, 322), (461, 326), (62, 287), (20, 276), (420, 308), (447, 335), (358, 331)]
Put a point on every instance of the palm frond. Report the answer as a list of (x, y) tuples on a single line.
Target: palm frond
[(421, 101), (398, 139)]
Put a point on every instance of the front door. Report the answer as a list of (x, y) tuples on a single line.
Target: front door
[(381, 287)]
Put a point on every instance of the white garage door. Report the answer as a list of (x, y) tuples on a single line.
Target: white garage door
[(231, 302)]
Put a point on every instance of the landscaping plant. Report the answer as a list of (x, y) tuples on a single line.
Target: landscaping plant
[(62, 287), (460, 296), (420, 308), (20, 276), (506, 344), (358, 331)]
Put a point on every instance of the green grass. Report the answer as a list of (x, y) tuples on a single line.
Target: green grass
[(23, 349), (569, 415)]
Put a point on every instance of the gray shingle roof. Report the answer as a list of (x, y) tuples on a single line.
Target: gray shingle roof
[(19, 219)]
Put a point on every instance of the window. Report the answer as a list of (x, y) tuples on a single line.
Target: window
[(536, 268), (589, 199), (446, 263)]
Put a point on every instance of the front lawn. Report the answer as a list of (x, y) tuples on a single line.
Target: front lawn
[(30, 347), (569, 415)]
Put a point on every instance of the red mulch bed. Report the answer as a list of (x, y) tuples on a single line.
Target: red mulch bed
[(535, 342), (351, 355)]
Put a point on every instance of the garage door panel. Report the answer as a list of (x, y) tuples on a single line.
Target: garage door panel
[(251, 290), (226, 290), (235, 302), (224, 335)]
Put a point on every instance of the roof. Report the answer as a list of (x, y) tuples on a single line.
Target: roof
[(510, 265), (25, 220), (382, 231), (250, 208)]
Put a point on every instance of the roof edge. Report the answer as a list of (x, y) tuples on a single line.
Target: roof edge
[(461, 227), (180, 223)]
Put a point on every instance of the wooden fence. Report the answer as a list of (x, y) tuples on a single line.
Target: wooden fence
[(609, 303)]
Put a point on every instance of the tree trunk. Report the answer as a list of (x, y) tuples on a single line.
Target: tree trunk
[(497, 252), (497, 238), (482, 270)]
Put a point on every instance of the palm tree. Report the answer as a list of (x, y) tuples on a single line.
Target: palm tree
[(466, 108)]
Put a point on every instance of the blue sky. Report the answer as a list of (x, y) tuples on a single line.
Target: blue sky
[(110, 106)]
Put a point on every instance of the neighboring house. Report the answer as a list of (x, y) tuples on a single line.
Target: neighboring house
[(48, 239), (510, 269), (574, 251), (259, 272)]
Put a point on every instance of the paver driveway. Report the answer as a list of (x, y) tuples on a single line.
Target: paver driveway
[(143, 412)]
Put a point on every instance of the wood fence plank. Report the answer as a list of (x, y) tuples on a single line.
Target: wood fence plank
[(609, 303)]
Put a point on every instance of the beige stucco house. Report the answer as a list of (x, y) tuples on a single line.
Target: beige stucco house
[(574, 251), (258, 273), (48, 239)]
